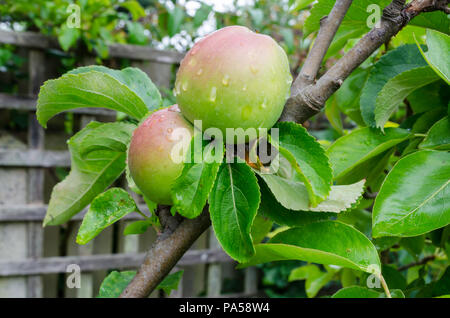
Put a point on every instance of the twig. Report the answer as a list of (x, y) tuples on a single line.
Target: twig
[(385, 286), (328, 28), (423, 261), (310, 99)]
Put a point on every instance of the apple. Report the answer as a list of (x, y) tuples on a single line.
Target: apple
[(156, 152), (234, 78)]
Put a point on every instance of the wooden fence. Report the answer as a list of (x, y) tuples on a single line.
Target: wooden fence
[(34, 260)]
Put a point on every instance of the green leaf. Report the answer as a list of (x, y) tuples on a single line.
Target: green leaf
[(176, 17), (397, 89), (442, 286), (341, 198), (301, 4), (324, 242), (109, 136), (438, 55), (414, 245), (356, 292), (288, 37), (134, 7), (412, 200), (347, 97), (343, 35), (171, 282), (315, 278), (234, 202), (333, 114), (106, 209), (133, 78), (394, 278), (356, 16), (191, 189), (358, 218), (270, 208), (202, 14), (436, 20), (293, 195), (90, 175), (136, 33), (438, 136), (68, 37), (137, 227), (349, 151), (260, 228), (92, 89), (311, 162), (114, 284), (391, 64), (429, 97)]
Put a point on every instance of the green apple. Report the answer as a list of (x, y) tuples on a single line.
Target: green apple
[(234, 78), (156, 153)]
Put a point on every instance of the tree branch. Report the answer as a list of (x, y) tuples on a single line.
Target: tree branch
[(328, 28), (169, 247), (423, 261), (309, 100)]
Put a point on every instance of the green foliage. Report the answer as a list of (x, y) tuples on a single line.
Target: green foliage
[(314, 278), (137, 227), (438, 137), (106, 209), (325, 242), (90, 174), (412, 200), (395, 62), (100, 21), (308, 159), (362, 292), (438, 53), (192, 187), (94, 87), (234, 202), (397, 89), (114, 284), (358, 147), (134, 79)]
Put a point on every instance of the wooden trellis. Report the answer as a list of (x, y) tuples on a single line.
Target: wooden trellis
[(27, 251)]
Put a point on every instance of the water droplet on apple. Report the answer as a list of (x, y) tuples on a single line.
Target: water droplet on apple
[(199, 72), (264, 104), (192, 62)]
